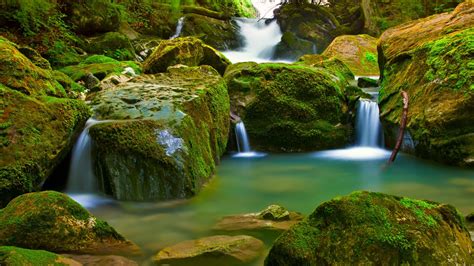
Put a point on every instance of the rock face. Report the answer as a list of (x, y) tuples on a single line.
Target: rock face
[(273, 218), (38, 123), (188, 51), (430, 59), (221, 34), (373, 228), (309, 22), (170, 132), (358, 52), (291, 47), (289, 107), (52, 221), (13, 256), (214, 250)]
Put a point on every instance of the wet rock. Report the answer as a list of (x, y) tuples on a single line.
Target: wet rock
[(214, 250), (273, 218), (169, 132), (39, 124), (358, 52), (52, 221), (364, 82), (14, 256), (290, 107), (430, 57), (111, 44), (375, 228), (291, 47), (89, 260), (188, 51)]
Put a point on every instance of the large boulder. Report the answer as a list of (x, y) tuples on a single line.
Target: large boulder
[(14, 256), (111, 44), (367, 228), (290, 107), (221, 34), (168, 133), (52, 221), (292, 47), (358, 52), (213, 251), (38, 124), (313, 23), (430, 59), (188, 51)]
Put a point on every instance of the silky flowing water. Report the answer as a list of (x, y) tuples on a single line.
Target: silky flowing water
[(299, 182)]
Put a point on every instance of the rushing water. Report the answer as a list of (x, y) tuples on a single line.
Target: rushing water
[(297, 181), (241, 136), (179, 28), (368, 126), (260, 40)]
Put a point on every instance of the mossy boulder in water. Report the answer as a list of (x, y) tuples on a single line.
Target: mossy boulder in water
[(290, 107), (188, 51), (170, 132), (52, 221), (213, 251), (291, 47), (220, 34), (367, 228), (358, 52), (37, 130), (14, 256), (430, 59)]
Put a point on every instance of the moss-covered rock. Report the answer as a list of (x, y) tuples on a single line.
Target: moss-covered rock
[(289, 107), (36, 129), (111, 44), (366, 228), (358, 52), (100, 66), (52, 221), (291, 47), (430, 59), (170, 132), (14, 256), (213, 251), (220, 34), (93, 16), (188, 51)]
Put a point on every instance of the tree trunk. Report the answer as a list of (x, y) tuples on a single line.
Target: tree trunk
[(401, 132)]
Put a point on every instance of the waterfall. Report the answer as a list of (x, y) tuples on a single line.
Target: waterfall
[(241, 137), (259, 39), (368, 127), (179, 27), (81, 178)]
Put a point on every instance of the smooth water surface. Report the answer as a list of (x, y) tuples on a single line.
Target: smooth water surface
[(299, 182)]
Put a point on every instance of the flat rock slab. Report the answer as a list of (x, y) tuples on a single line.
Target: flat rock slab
[(254, 222), (90, 260), (213, 250)]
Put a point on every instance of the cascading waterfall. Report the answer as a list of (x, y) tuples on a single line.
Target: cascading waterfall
[(179, 28), (243, 144), (259, 39), (368, 127), (81, 178)]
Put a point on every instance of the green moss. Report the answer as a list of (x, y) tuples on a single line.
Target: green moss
[(100, 66), (112, 44), (14, 256), (370, 57)]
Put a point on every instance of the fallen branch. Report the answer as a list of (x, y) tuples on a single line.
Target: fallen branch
[(401, 132)]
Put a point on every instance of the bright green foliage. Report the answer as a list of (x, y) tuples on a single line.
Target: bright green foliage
[(14, 256), (373, 228)]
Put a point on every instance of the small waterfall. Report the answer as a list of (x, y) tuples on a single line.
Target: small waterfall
[(242, 140), (81, 178), (260, 40), (179, 28), (368, 127)]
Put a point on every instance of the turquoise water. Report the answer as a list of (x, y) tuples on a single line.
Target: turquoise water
[(298, 182)]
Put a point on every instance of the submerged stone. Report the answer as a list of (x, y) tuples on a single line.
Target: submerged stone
[(188, 51), (166, 136), (213, 250), (375, 228), (431, 59), (52, 221)]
